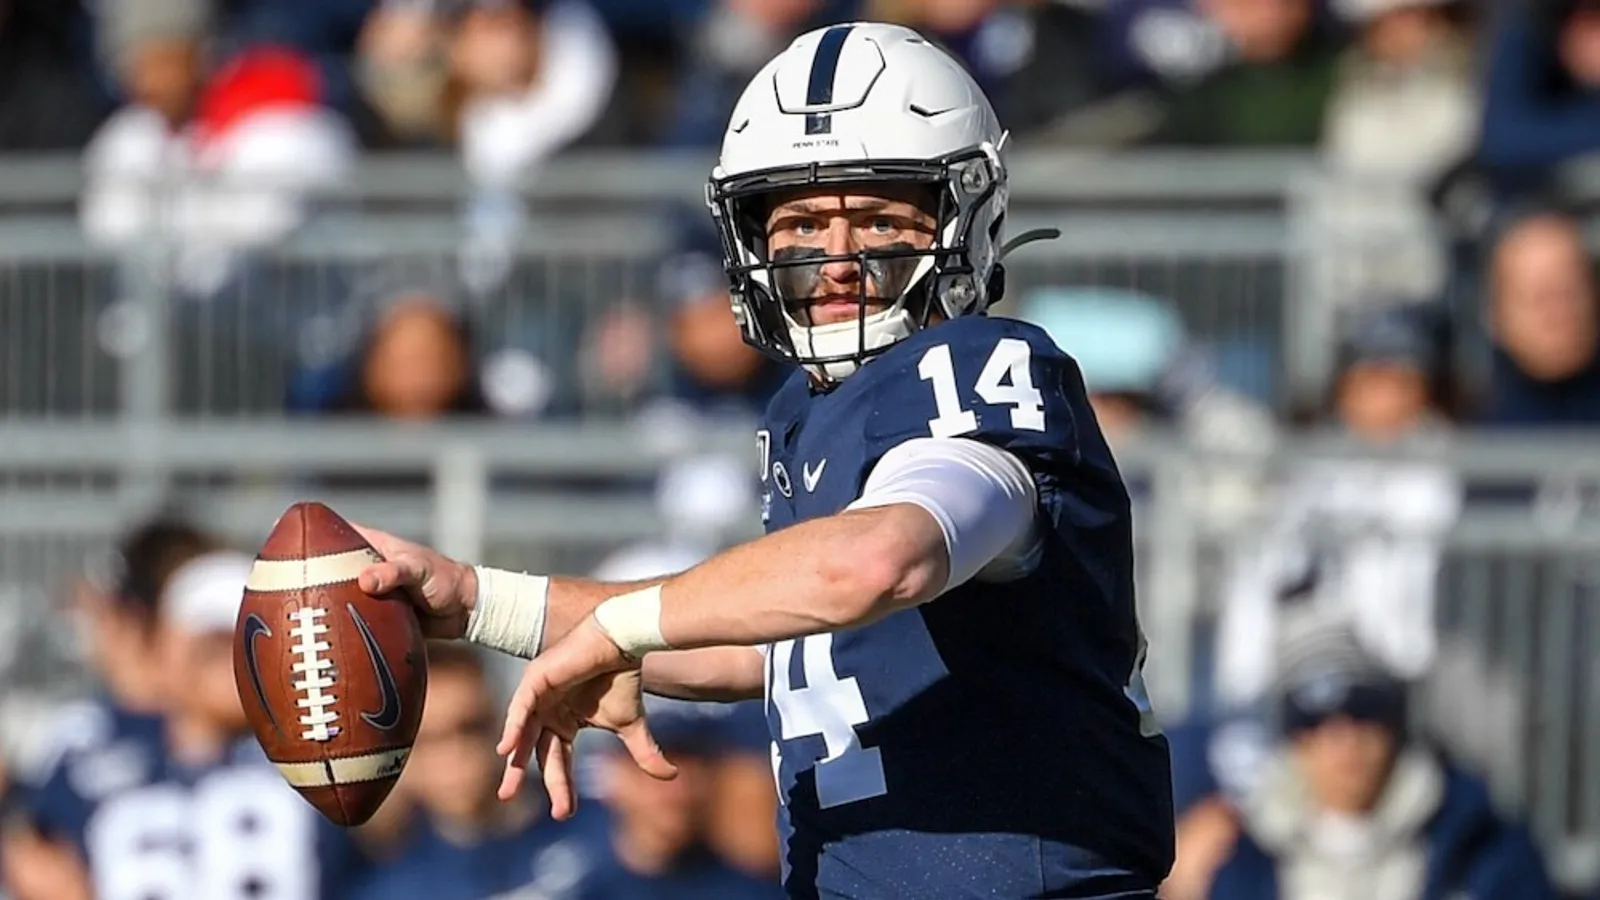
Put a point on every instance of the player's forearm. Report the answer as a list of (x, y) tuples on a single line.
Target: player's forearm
[(720, 674), (822, 575)]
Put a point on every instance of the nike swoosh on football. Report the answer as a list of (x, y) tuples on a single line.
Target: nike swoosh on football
[(254, 627), (387, 716), (812, 477)]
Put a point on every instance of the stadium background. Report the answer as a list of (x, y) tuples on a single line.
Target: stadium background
[(1327, 265)]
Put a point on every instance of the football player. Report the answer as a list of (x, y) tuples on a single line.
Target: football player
[(211, 818), (113, 739), (942, 613)]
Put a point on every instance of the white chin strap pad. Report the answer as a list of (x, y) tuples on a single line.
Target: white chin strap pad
[(845, 339)]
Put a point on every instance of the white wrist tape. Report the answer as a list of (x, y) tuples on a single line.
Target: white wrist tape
[(633, 621), (509, 615)]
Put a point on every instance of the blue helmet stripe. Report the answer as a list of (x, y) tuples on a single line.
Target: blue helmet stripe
[(824, 66)]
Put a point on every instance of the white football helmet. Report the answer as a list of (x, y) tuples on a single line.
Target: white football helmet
[(863, 103)]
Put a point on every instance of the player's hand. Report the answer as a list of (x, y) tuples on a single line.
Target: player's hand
[(443, 590), (582, 680)]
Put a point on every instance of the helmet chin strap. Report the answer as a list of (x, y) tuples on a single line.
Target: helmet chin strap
[(842, 339)]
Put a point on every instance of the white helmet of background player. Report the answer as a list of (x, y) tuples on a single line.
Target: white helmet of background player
[(863, 103)]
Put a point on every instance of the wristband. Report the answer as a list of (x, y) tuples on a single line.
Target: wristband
[(509, 614), (633, 621)]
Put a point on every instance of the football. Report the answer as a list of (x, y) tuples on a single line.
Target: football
[(332, 680)]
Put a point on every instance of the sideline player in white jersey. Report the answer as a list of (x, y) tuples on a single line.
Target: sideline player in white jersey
[(941, 616)]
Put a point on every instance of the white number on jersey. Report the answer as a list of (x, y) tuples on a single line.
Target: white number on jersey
[(830, 706), (1009, 362), (238, 833)]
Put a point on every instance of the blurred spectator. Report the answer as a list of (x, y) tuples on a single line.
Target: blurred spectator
[(1353, 808), (113, 740), (214, 817), (218, 165), (402, 65), (1392, 380), (709, 372), (1410, 71), (730, 44), (1034, 60), (470, 845), (1157, 45), (528, 78), (415, 364), (116, 607), (406, 346), (658, 837), (1350, 540), (1353, 543), (1543, 90), (48, 99), (1542, 321), (1274, 89)]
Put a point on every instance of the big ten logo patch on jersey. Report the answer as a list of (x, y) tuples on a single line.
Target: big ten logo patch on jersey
[(772, 474), (235, 833)]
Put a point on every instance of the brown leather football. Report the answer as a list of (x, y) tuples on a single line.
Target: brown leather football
[(332, 680)]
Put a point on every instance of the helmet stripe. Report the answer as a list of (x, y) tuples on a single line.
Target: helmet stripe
[(824, 66)]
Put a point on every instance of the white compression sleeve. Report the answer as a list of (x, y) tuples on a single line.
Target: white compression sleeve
[(983, 498)]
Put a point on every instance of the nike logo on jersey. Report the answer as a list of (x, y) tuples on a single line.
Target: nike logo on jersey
[(387, 716), (254, 627), (812, 476)]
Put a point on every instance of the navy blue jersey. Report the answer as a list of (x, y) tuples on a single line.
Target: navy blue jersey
[(97, 749), (228, 831), (545, 859), (996, 741)]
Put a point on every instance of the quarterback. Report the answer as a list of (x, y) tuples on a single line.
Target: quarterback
[(941, 616)]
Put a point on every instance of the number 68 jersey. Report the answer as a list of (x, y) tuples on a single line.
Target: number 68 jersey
[(228, 831), (996, 741)]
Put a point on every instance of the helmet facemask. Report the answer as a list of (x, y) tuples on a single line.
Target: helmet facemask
[(772, 294)]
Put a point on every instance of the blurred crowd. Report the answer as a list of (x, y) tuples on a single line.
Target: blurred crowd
[(1443, 247), (1341, 735)]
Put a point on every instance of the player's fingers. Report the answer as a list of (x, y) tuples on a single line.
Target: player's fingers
[(379, 578), (646, 752), (520, 712), (555, 764), (403, 572), (517, 762), (516, 720), (511, 781)]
